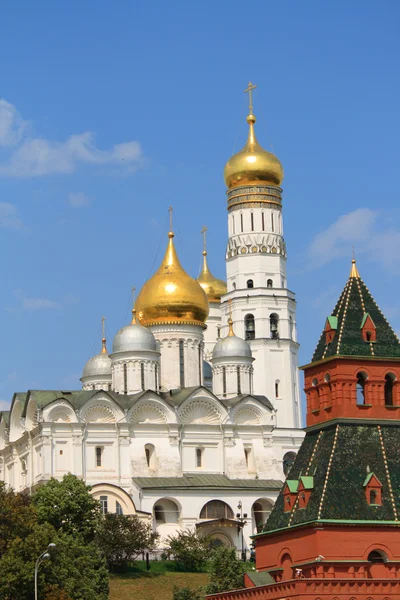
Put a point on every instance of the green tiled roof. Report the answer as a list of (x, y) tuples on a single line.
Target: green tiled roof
[(292, 484), (260, 578), (351, 311), (339, 457), (333, 322), (206, 482), (308, 482)]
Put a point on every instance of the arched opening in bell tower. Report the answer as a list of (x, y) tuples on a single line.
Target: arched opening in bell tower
[(249, 327)]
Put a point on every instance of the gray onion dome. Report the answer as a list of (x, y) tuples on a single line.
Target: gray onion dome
[(134, 337), (231, 346)]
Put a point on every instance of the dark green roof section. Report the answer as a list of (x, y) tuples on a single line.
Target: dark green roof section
[(260, 577), (207, 482), (355, 451), (351, 310)]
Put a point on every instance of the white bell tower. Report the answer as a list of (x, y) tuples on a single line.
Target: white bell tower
[(263, 308)]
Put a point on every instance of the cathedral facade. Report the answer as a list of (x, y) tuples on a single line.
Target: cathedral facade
[(193, 419)]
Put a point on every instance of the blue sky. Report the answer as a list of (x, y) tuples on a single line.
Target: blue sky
[(111, 112)]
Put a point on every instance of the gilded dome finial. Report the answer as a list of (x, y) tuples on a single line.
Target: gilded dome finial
[(171, 233), (213, 287), (231, 333), (354, 271), (103, 336), (249, 91), (133, 322)]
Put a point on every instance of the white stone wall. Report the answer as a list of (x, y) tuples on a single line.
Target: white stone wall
[(212, 332), (134, 380), (230, 367), (168, 338)]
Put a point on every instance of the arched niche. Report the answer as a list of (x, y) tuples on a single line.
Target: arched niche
[(114, 495), (16, 427)]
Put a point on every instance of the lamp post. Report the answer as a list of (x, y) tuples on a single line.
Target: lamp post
[(241, 516), (44, 556)]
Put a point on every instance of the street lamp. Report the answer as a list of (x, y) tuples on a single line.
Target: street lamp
[(44, 556), (241, 516)]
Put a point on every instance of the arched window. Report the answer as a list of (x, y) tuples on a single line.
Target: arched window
[(156, 378), (239, 387), (224, 381), (199, 458), (389, 381), (377, 556), (125, 379), (288, 461), (118, 508), (159, 514), (104, 504), (234, 285), (263, 221), (269, 283), (166, 511), (149, 451), (142, 375), (249, 327), (252, 221), (360, 388), (373, 495), (182, 363), (274, 325), (241, 222), (272, 222), (291, 329), (261, 510), (250, 283), (216, 509), (276, 389)]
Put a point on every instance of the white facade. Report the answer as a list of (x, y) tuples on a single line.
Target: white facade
[(148, 450)]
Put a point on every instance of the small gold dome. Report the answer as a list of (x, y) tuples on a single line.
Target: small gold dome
[(253, 164), (171, 295), (213, 287)]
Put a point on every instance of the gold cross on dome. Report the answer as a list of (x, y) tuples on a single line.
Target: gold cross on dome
[(103, 320), (204, 231), (170, 218), (133, 295), (249, 91)]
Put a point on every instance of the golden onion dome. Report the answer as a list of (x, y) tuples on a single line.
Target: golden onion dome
[(253, 164), (213, 287), (171, 296)]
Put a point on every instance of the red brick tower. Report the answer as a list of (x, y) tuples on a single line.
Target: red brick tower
[(334, 532)]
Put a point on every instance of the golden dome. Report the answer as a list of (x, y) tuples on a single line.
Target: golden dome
[(253, 164), (171, 295), (213, 287)]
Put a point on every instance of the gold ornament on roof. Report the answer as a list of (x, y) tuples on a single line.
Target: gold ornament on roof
[(354, 271), (253, 164), (103, 337), (213, 287), (171, 296), (231, 333)]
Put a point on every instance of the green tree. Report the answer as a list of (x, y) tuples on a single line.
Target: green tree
[(189, 550), (186, 593), (121, 538), (226, 571), (69, 506), (17, 516)]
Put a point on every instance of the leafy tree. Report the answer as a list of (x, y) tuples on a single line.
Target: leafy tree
[(17, 516), (68, 505), (226, 571), (189, 550), (122, 538), (186, 593)]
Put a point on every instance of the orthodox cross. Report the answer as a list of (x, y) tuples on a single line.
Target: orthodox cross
[(203, 231), (133, 322), (170, 218), (133, 295), (103, 331), (249, 90)]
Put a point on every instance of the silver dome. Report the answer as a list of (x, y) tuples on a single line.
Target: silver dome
[(97, 366), (133, 338), (231, 346)]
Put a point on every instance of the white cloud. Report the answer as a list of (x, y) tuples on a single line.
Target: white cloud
[(39, 304), (371, 232), (12, 126), (78, 199), (32, 157), (9, 217)]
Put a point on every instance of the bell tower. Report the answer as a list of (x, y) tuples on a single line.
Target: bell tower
[(263, 308)]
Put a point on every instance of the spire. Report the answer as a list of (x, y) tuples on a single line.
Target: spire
[(251, 140), (213, 287), (354, 271), (231, 333), (133, 322), (205, 270), (103, 336)]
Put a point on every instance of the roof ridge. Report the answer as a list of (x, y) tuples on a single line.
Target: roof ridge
[(328, 471), (371, 346), (346, 305)]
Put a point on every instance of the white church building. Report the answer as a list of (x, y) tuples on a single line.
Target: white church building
[(193, 418)]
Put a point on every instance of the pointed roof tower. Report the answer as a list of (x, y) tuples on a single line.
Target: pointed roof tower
[(357, 326)]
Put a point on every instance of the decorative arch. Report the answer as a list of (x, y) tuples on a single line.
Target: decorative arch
[(219, 539), (166, 510), (16, 427), (114, 494), (379, 548), (288, 461), (200, 410), (247, 415), (216, 509), (147, 412), (60, 411), (101, 409), (3, 433), (261, 510), (32, 415)]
